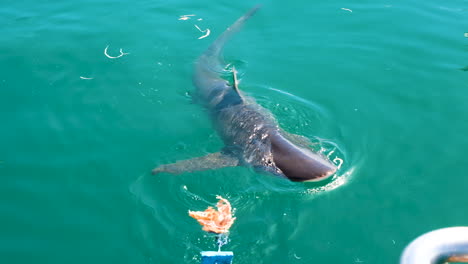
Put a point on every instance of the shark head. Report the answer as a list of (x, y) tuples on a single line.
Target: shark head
[(299, 164)]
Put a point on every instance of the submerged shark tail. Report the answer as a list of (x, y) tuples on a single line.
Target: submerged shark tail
[(209, 67), (217, 46)]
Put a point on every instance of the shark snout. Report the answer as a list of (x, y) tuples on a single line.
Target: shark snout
[(299, 164)]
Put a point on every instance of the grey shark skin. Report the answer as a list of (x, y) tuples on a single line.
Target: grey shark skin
[(250, 133)]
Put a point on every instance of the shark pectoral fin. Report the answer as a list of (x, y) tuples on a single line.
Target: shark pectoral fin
[(211, 161)]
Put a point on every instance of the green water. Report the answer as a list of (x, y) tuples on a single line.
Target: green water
[(384, 84)]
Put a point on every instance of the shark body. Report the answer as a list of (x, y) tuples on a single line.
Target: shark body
[(250, 133)]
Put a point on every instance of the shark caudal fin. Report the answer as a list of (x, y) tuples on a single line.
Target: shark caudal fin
[(209, 66), (217, 46)]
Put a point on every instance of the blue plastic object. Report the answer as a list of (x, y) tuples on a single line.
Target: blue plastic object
[(216, 257)]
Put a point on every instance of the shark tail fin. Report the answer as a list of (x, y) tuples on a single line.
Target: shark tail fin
[(217, 46)]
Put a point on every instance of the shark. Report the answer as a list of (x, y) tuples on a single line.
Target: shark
[(250, 133)]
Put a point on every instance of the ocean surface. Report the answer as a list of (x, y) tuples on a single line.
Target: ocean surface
[(381, 86)]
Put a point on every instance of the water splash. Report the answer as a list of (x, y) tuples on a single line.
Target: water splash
[(221, 240), (338, 181)]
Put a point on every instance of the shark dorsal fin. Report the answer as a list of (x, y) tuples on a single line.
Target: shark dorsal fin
[(235, 81)]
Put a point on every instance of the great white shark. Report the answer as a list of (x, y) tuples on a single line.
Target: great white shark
[(250, 133)]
